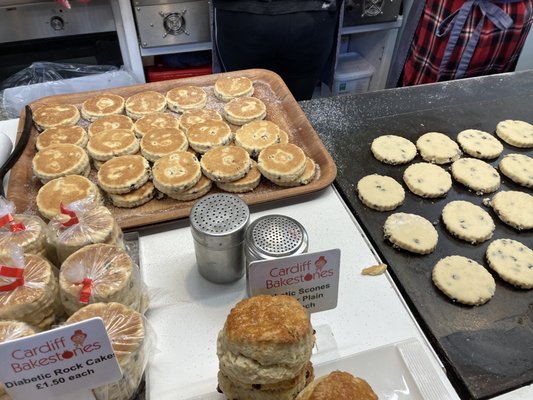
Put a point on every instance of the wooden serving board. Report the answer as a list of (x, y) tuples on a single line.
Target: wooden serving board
[(282, 109)]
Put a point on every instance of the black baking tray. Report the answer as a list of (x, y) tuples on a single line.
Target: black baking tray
[(486, 350)]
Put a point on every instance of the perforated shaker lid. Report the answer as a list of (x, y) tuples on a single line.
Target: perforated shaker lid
[(275, 236), (219, 214)]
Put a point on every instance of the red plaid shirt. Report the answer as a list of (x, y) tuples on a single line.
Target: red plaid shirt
[(496, 51)]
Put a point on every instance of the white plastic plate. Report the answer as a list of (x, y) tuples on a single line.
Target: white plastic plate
[(398, 371)]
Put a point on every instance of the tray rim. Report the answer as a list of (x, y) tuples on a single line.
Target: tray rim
[(136, 219)]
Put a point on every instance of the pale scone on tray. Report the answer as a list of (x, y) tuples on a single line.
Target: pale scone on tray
[(514, 208), (479, 144), (52, 115), (427, 180), (226, 163), (159, 142), (380, 192), (176, 172), (155, 121), (209, 134), (518, 168), (185, 98), (467, 221), (135, 198), (256, 136), (242, 110), (62, 134), (393, 149), (411, 232), (229, 87), (102, 105), (436, 147), (512, 261), (463, 280), (145, 103), (60, 160), (115, 121), (477, 175), (123, 174), (516, 133), (112, 143), (282, 162), (197, 116), (247, 183)]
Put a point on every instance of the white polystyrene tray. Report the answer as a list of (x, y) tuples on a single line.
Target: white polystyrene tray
[(400, 371)]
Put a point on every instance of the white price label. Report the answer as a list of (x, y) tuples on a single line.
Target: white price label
[(313, 278), (65, 360)]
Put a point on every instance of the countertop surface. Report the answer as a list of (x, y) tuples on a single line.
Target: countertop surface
[(187, 311)]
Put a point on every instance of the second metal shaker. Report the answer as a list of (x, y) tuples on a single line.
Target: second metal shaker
[(218, 225), (273, 236)]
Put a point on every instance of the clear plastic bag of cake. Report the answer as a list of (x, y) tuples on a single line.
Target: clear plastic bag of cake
[(82, 223), (11, 330), (132, 341), (101, 273), (26, 231), (28, 289)]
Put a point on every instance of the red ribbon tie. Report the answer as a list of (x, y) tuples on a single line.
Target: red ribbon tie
[(6, 219), (73, 218), (12, 272), (13, 227), (86, 290)]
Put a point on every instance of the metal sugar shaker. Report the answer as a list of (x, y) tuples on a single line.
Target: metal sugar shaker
[(218, 225), (273, 236)]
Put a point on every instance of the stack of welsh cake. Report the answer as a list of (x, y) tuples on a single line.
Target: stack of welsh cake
[(36, 300), (127, 330)]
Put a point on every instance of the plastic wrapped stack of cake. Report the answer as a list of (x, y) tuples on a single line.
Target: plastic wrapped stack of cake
[(11, 330), (82, 223), (26, 231), (28, 289), (100, 273), (130, 340)]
